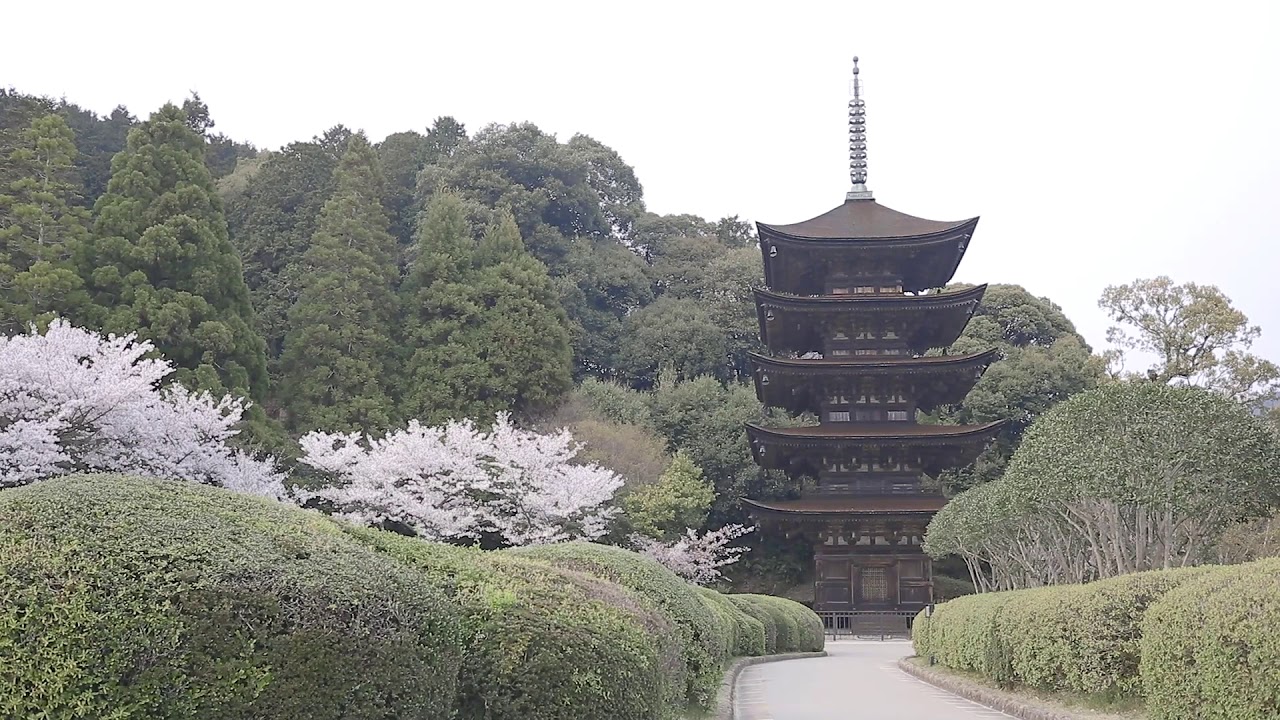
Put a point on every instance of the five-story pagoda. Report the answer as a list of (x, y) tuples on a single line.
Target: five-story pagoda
[(850, 311)]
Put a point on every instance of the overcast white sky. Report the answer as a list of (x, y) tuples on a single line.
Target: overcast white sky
[(1099, 141)]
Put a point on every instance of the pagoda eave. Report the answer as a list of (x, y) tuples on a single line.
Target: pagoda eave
[(804, 450), (846, 434), (850, 506), (800, 385), (790, 323), (864, 221)]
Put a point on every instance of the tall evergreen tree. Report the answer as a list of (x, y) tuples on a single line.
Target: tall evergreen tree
[(482, 321), (338, 349), (159, 261), (41, 226), (272, 221)]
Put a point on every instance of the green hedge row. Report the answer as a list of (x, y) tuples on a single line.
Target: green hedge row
[(124, 598), (1192, 642), (789, 626)]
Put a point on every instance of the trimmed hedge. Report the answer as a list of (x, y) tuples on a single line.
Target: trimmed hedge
[(658, 588), (1211, 646), (122, 598), (1192, 642), (762, 615), (545, 643), (792, 626), (1085, 638), (748, 632)]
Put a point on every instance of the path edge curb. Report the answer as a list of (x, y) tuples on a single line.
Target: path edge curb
[(989, 696), (723, 709)]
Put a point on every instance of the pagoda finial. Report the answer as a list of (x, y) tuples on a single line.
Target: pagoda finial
[(857, 139)]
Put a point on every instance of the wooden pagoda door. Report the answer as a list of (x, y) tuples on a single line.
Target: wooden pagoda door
[(833, 590)]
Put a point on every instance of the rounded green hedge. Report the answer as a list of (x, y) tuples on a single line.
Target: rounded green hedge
[(123, 597), (1211, 646), (1085, 638), (796, 627), (765, 616), (964, 634), (545, 643), (748, 632), (658, 588)]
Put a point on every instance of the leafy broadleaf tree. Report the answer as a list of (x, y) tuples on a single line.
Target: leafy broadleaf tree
[(1126, 477), (1043, 362), (338, 351), (160, 263), (41, 227), (679, 500), (1196, 335)]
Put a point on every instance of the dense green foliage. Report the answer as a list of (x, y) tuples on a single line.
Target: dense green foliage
[(160, 262), (1190, 642), (338, 352), (1210, 648), (482, 328), (545, 643), (1043, 362), (745, 635), (1178, 466), (658, 588), (123, 598), (273, 219), (42, 227), (793, 627), (678, 500)]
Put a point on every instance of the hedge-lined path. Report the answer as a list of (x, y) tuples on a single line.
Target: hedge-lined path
[(858, 680)]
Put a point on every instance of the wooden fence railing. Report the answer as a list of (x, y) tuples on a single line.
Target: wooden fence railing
[(884, 624)]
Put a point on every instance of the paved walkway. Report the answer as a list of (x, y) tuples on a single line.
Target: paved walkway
[(858, 680)]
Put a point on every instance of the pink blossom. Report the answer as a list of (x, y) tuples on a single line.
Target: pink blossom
[(456, 482), (74, 401)]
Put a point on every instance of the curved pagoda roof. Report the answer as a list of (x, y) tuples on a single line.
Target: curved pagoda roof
[(800, 385), (863, 233), (801, 449), (841, 505), (864, 220), (792, 323)]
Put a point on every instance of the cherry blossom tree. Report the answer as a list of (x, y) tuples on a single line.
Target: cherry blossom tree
[(73, 401), (457, 482), (693, 556)]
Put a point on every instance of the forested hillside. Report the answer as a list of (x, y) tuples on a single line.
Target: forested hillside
[(351, 284)]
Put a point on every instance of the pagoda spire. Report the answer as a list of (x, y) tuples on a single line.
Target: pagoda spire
[(857, 140)]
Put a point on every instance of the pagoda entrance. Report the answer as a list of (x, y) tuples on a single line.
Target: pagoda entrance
[(846, 582)]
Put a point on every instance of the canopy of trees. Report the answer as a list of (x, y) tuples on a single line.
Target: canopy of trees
[(1129, 476)]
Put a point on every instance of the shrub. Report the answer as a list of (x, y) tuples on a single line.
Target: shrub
[(797, 628), (659, 589), (1085, 638), (124, 597), (545, 643), (1210, 647), (748, 632), (964, 634), (761, 614)]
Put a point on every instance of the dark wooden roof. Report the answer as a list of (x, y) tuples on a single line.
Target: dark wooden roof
[(936, 319), (863, 220), (867, 365), (854, 504), (798, 385), (905, 432)]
